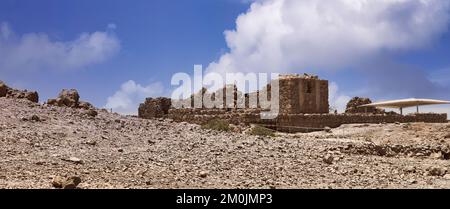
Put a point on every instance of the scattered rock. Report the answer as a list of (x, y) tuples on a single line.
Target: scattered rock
[(92, 143), (35, 118), (71, 182), (91, 113), (447, 136), (327, 129), (85, 105), (3, 89), (32, 96), (66, 183), (410, 169), (74, 160), (25, 141), (58, 181), (436, 171), (328, 159), (68, 98), (6, 91), (120, 150), (437, 155), (203, 174), (413, 181), (447, 176)]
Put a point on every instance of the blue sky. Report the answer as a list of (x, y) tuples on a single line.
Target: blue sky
[(140, 44)]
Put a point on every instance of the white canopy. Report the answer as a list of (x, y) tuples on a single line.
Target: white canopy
[(404, 103)]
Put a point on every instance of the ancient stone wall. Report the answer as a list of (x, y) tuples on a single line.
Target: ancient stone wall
[(297, 122), (303, 106), (303, 94)]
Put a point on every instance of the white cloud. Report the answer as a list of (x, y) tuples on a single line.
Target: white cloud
[(112, 26), (35, 51), (337, 99), (288, 35), (441, 77), (126, 100)]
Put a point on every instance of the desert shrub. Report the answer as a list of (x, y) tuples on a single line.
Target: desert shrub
[(262, 131), (217, 124)]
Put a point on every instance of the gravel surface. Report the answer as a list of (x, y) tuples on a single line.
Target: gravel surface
[(39, 144)]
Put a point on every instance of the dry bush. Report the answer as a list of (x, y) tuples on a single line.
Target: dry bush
[(262, 131), (217, 124)]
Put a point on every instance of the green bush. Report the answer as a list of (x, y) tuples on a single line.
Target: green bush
[(217, 124), (262, 131)]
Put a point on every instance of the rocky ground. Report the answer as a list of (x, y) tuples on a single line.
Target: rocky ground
[(45, 146)]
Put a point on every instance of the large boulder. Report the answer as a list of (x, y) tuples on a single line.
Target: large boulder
[(85, 105), (6, 91), (32, 96), (71, 98), (354, 106), (66, 98), (3, 89)]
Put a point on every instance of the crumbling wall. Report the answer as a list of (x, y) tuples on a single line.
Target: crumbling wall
[(297, 94), (303, 106), (297, 122), (303, 94)]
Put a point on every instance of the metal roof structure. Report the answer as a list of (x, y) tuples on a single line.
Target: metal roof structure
[(404, 103)]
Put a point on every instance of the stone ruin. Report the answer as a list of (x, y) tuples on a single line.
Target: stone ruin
[(154, 108), (303, 107), (8, 92), (298, 94)]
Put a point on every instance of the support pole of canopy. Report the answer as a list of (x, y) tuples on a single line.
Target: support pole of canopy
[(401, 110), (417, 109)]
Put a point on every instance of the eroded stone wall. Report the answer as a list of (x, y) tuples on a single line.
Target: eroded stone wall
[(303, 107), (303, 94), (297, 122)]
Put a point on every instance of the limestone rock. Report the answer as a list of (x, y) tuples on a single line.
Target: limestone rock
[(35, 118), (3, 89), (328, 159), (66, 183), (32, 96), (74, 160), (436, 171), (85, 105), (68, 98), (6, 91), (203, 174), (92, 113)]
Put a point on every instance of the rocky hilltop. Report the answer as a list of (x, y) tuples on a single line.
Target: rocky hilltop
[(6, 91), (62, 144)]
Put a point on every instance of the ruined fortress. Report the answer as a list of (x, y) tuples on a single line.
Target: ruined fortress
[(303, 107)]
